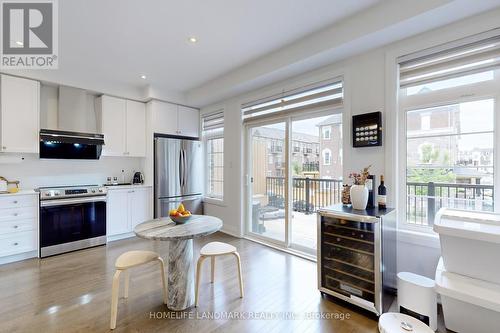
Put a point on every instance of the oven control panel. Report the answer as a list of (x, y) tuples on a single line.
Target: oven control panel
[(71, 192)]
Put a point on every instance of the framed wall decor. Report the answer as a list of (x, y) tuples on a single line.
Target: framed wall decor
[(367, 130)]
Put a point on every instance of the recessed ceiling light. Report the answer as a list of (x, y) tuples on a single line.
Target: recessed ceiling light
[(19, 43), (143, 77), (193, 39)]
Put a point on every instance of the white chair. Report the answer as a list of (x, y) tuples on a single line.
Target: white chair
[(212, 250), (123, 263)]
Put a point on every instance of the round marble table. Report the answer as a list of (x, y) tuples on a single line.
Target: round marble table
[(180, 260)]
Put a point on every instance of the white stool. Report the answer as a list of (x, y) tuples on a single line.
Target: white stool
[(213, 250), (123, 263), (417, 297), (392, 322)]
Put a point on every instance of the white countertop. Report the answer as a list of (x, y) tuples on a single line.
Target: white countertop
[(125, 187), (21, 192)]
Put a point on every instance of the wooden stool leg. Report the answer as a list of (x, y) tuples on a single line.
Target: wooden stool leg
[(212, 260), (114, 299), (163, 280), (197, 283), (238, 259), (126, 284)]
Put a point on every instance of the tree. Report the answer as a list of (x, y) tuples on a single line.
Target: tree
[(297, 169), (429, 155)]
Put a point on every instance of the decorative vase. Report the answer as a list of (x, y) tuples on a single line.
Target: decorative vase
[(359, 196)]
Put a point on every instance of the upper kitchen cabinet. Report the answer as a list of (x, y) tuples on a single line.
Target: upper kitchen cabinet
[(188, 121), (174, 119), (136, 129), (123, 123), (19, 115)]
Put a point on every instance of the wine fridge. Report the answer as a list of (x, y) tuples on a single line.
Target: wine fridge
[(357, 256)]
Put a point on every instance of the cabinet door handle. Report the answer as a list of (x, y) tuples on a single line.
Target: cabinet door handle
[(3, 147), (16, 226), (15, 214), (15, 201), (15, 244)]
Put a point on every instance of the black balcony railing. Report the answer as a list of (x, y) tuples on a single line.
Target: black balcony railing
[(310, 167), (423, 200), (307, 150), (308, 194)]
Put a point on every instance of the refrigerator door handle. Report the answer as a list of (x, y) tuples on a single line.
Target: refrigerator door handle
[(185, 168), (183, 159), (180, 168)]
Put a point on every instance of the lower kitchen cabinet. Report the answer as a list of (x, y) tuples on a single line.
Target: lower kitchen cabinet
[(18, 226), (126, 208)]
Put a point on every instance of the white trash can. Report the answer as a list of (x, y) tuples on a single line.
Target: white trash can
[(417, 298), (392, 322)]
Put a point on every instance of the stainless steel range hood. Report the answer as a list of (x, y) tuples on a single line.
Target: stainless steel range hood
[(75, 136), (70, 145)]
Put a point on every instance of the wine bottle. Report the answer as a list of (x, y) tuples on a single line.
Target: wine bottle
[(382, 194)]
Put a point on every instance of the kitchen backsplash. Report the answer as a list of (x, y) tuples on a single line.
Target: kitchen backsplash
[(33, 172)]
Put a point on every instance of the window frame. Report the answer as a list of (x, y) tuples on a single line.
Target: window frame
[(460, 94), (326, 129), (212, 134), (206, 140), (323, 154)]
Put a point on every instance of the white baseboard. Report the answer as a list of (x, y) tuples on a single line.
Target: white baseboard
[(231, 233), (18, 257), (120, 236)]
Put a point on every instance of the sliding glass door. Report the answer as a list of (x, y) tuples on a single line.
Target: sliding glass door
[(294, 168), (268, 192)]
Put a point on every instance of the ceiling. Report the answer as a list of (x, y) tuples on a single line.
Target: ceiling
[(106, 45), (114, 42)]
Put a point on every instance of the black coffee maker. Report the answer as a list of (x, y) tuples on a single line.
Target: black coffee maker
[(138, 178)]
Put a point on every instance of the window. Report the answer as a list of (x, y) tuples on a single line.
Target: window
[(213, 137), (317, 97), (448, 102), (327, 156), (327, 131)]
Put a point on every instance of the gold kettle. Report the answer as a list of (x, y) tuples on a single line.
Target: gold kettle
[(5, 185)]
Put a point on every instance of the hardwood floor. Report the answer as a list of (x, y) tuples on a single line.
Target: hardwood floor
[(71, 293)]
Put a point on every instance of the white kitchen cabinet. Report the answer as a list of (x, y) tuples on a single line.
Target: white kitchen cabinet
[(188, 121), (136, 129), (164, 117), (18, 226), (175, 119), (126, 208), (123, 123), (112, 112), (117, 216), (139, 202), (19, 115)]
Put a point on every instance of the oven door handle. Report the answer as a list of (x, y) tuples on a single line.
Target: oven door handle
[(52, 203)]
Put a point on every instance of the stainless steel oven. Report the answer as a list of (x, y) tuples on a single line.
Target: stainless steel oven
[(71, 218)]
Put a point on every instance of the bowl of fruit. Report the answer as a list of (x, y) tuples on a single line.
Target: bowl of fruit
[(180, 215)]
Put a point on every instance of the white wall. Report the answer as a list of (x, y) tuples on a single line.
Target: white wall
[(34, 172), (230, 210), (367, 77)]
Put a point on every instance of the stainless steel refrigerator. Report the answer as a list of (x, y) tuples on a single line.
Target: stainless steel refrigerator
[(178, 175)]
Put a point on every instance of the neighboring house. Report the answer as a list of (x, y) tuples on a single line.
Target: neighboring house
[(269, 154), (330, 147), (441, 149)]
